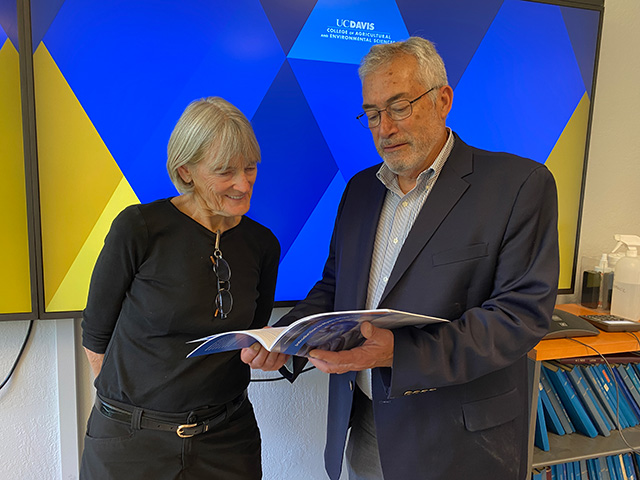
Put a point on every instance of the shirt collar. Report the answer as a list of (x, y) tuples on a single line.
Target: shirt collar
[(390, 179)]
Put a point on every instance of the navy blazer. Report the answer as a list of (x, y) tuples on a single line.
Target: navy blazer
[(483, 253)]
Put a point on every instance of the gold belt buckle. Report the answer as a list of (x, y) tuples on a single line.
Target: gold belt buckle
[(181, 428)]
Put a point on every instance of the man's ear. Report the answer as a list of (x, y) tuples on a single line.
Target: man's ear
[(445, 101)]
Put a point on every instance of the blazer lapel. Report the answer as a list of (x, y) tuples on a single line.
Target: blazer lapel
[(362, 250), (446, 192)]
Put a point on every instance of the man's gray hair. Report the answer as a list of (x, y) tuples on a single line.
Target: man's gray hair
[(431, 70)]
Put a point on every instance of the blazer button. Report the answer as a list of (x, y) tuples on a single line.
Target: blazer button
[(351, 385)]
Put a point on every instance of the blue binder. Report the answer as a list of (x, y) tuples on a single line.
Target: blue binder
[(571, 402), (614, 467), (633, 376), (590, 403), (625, 397), (615, 462), (559, 472), (584, 473), (541, 439), (597, 387), (632, 396), (616, 400), (593, 466), (556, 403), (576, 471), (629, 468), (554, 424)]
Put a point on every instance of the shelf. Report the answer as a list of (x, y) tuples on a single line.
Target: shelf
[(574, 447), (605, 342)]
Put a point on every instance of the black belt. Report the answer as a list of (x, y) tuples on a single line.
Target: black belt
[(167, 422)]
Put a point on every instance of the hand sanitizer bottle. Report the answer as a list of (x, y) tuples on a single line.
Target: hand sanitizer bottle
[(625, 301), (606, 285)]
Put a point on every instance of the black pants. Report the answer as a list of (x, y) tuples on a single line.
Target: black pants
[(115, 451)]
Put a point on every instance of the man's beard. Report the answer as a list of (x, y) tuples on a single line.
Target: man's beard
[(411, 158)]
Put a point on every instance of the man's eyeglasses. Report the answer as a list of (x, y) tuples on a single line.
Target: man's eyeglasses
[(224, 299), (397, 111)]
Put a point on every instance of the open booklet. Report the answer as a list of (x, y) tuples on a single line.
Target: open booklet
[(324, 331)]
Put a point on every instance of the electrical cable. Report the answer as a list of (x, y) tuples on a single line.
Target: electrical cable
[(15, 364), (279, 378), (636, 337)]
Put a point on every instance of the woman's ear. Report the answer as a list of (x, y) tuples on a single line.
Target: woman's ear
[(185, 174)]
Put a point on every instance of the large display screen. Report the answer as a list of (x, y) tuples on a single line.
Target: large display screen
[(15, 277), (112, 78)]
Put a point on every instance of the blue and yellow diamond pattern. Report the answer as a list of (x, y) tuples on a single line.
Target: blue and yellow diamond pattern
[(15, 283), (112, 78)]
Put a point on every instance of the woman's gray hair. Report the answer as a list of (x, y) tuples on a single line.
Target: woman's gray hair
[(431, 70), (210, 126)]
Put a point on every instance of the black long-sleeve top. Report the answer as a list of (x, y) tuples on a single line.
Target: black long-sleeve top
[(153, 290)]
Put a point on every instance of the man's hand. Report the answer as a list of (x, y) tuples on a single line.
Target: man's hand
[(376, 351), (259, 358)]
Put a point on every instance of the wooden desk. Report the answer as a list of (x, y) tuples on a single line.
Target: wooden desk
[(605, 342)]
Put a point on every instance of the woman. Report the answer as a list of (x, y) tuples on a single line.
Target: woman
[(172, 271)]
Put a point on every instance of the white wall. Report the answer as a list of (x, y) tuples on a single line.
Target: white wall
[(292, 420), (29, 431), (292, 417)]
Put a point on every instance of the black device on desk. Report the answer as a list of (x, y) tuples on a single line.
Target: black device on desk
[(565, 324), (611, 323)]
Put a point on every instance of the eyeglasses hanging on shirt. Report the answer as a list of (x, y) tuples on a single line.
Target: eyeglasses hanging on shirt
[(224, 299)]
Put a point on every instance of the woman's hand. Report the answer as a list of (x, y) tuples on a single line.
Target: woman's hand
[(259, 358)]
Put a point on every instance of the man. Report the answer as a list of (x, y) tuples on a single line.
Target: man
[(443, 229)]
